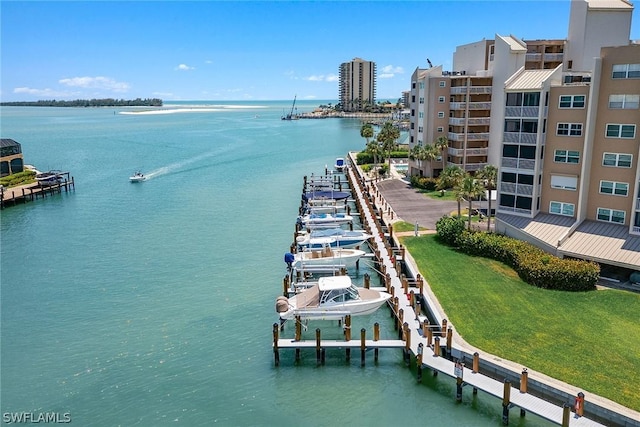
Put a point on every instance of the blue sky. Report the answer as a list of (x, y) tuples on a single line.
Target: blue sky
[(243, 50)]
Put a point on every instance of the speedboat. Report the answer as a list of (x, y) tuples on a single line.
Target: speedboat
[(325, 256), (340, 164), (333, 297), (137, 177), (325, 194), (47, 179), (324, 220), (334, 237)]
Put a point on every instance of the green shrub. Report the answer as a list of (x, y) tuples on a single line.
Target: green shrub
[(532, 264), (424, 183), (24, 177)]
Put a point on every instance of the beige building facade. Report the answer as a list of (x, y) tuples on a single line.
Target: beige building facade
[(560, 119), (357, 84)]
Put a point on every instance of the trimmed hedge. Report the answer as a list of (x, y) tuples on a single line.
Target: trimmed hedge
[(532, 264)]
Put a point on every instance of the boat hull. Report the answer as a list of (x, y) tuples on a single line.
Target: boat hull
[(343, 257)]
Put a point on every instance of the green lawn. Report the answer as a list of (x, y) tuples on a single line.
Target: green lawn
[(588, 339)]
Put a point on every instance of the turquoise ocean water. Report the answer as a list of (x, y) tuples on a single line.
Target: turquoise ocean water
[(152, 304)]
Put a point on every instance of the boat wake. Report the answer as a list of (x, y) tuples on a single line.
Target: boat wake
[(178, 166)]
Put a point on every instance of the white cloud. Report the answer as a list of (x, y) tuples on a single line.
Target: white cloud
[(208, 61), (184, 67), (389, 71), (322, 78), (48, 93), (96, 83)]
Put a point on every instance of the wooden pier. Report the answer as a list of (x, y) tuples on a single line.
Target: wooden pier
[(30, 192), (428, 339)]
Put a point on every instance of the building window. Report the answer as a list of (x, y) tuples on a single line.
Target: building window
[(615, 188), (626, 71), (421, 115), (440, 129), (440, 114), (620, 131), (521, 125), (610, 215), (421, 85), (562, 208), (564, 182), (443, 83), (569, 129), (617, 160), (421, 100), (420, 128), (441, 99), (571, 101), (626, 102), (566, 156)]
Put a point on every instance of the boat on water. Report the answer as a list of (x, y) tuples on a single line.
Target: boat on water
[(333, 237), (342, 257), (333, 297), (340, 165), (47, 179), (325, 194), (324, 220), (137, 177), (291, 115)]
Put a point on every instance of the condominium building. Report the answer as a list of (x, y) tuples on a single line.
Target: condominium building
[(357, 84), (559, 119)]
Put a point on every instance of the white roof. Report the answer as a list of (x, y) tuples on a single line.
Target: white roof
[(609, 4), (334, 282), (529, 79)]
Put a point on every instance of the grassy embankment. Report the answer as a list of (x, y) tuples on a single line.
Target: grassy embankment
[(588, 339)]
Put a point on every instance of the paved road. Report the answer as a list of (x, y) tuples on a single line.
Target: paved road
[(412, 206)]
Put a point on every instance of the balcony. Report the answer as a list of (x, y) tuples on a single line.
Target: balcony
[(521, 111), (472, 121), (480, 136), (470, 105), (473, 90), (510, 162), (468, 166), (460, 152), (553, 57), (533, 57), (520, 138)]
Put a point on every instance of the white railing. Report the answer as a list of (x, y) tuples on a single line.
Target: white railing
[(510, 162), (510, 111), (480, 105), (477, 136), (458, 105), (553, 56), (533, 56), (459, 152), (519, 137), (512, 187), (472, 121)]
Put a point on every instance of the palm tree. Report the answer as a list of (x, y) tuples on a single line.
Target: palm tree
[(469, 188), (442, 143), (388, 138), (375, 149), (489, 175), (366, 131), (423, 152), (451, 177)]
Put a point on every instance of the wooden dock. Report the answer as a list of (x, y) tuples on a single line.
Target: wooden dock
[(30, 192), (431, 344)]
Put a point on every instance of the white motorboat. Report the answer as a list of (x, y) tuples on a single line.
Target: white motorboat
[(326, 256), (324, 220), (334, 237), (332, 298), (47, 179), (137, 177), (340, 164)]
